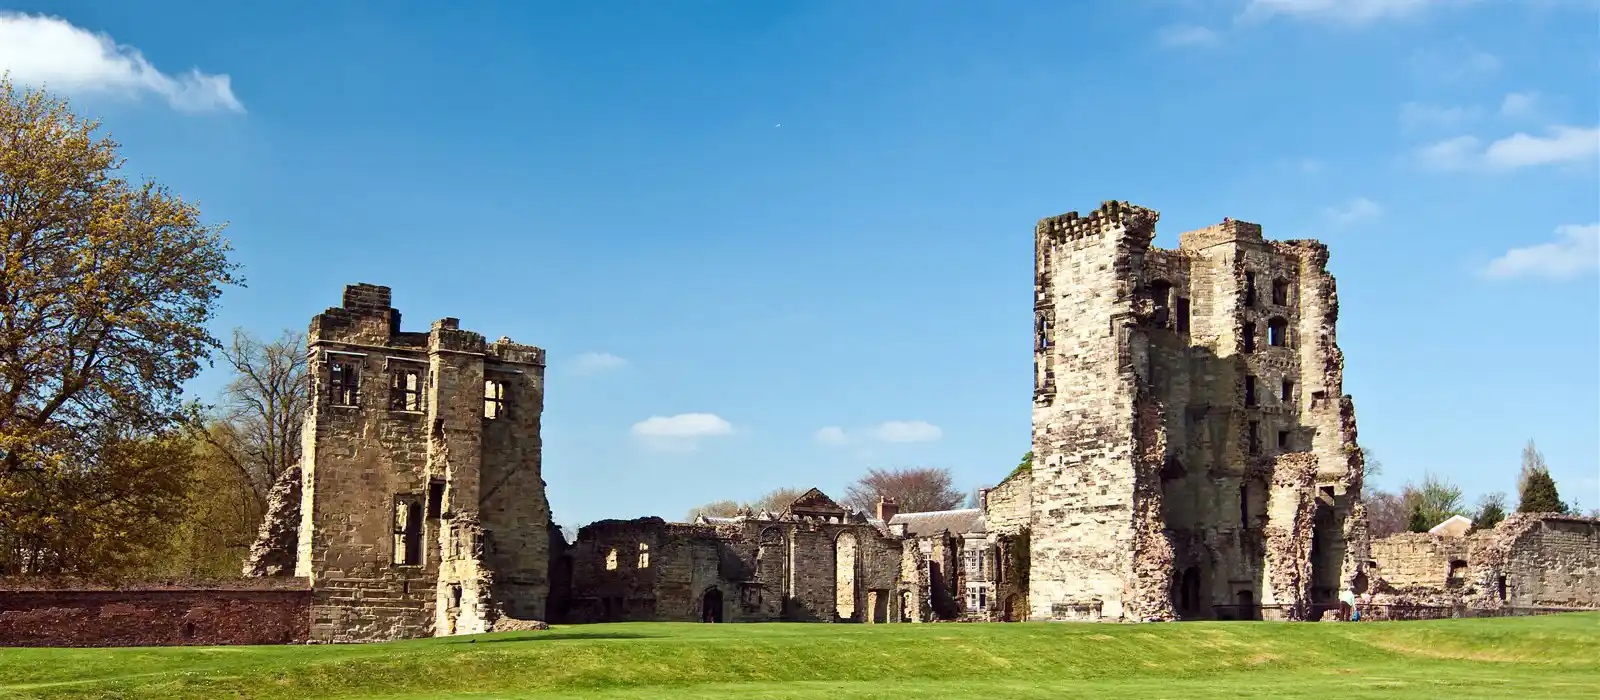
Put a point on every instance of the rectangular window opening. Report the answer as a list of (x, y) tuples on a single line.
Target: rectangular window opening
[(1255, 438), (1283, 439), (405, 390), (1183, 315), (1248, 337), (644, 555), (1250, 289), (407, 530), (494, 398), (1249, 391), (435, 499), (1288, 392), (1280, 292), (344, 382)]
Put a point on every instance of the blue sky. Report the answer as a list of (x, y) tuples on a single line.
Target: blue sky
[(773, 244)]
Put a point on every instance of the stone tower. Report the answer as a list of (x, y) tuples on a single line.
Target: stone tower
[(1194, 453), (422, 509)]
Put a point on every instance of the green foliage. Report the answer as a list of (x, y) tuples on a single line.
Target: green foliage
[(1025, 466), (1418, 522), (1539, 494), (1491, 510), (1548, 656)]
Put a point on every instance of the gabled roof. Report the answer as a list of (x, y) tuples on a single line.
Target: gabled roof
[(1454, 526), (965, 521), (815, 502)]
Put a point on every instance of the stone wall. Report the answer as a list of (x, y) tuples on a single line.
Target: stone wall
[(1172, 386), (270, 611), (1417, 558), (1530, 560)]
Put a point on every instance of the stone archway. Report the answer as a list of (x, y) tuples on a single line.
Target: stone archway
[(711, 605)]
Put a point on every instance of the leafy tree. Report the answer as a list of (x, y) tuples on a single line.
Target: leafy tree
[(1418, 521), (1539, 494), (221, 514), (1025, 466), (1491, 510), (106, 290), (914, 489), (1532, 463), (1436, 498)]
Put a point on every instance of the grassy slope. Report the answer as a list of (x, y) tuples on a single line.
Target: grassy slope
[(1543, 657)]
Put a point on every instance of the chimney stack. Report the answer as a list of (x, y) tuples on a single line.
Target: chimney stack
[(887, 508)]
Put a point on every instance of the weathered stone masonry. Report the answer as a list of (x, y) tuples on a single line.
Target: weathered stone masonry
[(421, 509), (1194, 455)]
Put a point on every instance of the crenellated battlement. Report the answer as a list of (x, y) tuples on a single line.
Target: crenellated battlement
[(1112, 214), (1228, 231)]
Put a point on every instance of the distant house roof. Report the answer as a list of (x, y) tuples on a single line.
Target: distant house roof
[(1455, 526), (957, 522), (714, 520)]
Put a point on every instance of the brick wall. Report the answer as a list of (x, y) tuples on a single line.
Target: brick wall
[(261, 611)]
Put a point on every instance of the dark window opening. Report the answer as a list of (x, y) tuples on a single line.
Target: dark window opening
[(1249, 391), (1280, 292), (407, 530), (188, 630), (1255, 438), (1278, 332), (494, 398), (1183, 314), (1244, 506), (405, 390), (1287, 395), (1249, 289), (344, 380), (1500, 588), (1161, 297), (1041, 331), (1247, 605), (1458, 573), (435, 499), (1283, 439), (1248, 336)]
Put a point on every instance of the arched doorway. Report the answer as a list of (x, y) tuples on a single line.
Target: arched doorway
[(711, 605), (844, 580), (1189, 592)]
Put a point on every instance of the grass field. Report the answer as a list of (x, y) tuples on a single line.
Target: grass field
[(1532, 657)]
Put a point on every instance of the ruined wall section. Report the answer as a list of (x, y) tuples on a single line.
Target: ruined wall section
[(1008, 507), (612, 578), (1291, 516), (1537, 560), (362, 458), (277, 542), (1085, 490), (511, 501), (1413, 559)]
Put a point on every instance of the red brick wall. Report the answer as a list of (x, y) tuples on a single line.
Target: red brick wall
[(261, 611)]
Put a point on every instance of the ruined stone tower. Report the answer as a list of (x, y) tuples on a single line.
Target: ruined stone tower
[(1194, 453), (422, 510)]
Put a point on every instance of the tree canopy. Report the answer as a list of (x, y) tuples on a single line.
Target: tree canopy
[(106, 290), (914, 490)]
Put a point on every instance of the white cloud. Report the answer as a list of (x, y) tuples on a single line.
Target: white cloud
[(1351, 12), (1181, 35), (1575, 251), (1561, 145), (831, 435), (46, 51), (597, 362), (680, 433), (1564, 144), (1354, 211), (907, 431), (1521, 105), (1415, 115)]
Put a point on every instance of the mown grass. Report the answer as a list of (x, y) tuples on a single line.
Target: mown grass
[(1537, 657)]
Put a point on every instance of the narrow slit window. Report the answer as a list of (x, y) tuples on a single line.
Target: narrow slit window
[(1250, 391), (1244, 505), (344, 382), (494, 399), (1288, 392), (1182, 313), (405, 390), (1254, 438), (1249, 289), (1248, 338)]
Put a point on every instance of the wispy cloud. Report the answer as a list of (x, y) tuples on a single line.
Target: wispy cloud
[(1575, 251), (1348, 12), (1454, 62), (1559, 145), (1186, 35), (896, 431), (597, 362), (51, 52), (681, 432), (1521, 105), (1416, 116), (1354, 211)]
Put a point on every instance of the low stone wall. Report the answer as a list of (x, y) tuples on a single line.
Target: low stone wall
[(75, 614)]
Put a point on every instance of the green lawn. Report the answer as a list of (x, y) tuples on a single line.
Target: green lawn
[(1533, 657)]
